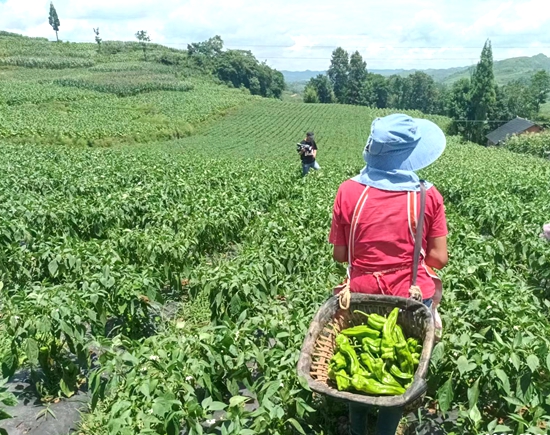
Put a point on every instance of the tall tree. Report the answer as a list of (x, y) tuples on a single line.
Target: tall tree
[(54, 20), (483, 95), (323, 89), (338, 73), (380, 91), (538, 88), (310, 95), (143, 39), (97, 39), (422, 93), (358, 89), (399, 89), (457, 105)]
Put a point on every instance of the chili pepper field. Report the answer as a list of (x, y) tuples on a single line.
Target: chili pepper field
[(176, 280)]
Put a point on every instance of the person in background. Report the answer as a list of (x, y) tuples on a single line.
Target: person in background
[(308, 153), (382, 239)]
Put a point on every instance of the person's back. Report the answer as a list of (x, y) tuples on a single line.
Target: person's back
[(383, 239), (374, 227)]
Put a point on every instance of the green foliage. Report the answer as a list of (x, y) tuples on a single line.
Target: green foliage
[(322, 89), (483, 97), (338, 73), (143, 39), (98, 39), (358, 89), (536, 144), (310, 95)]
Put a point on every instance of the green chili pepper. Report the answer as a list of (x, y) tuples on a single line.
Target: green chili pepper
[(399, 374), (341, 378), (375, 321), (412, 343), (370, 386), (405, 358), (388, 335), (345, 347), (361, 331), (382, 375), (368, 360), (416, 358), (372, 345), (338, 361)]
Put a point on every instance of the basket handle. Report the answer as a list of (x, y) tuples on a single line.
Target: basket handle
[(416, 390)]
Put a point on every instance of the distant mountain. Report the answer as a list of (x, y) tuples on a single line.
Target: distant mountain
[(505, 71)]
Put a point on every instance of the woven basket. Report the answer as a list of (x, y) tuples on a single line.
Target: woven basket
[(318, 348)]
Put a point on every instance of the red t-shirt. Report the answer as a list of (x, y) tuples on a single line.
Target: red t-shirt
[(383, 240)]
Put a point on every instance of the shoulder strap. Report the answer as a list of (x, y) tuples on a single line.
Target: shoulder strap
[(419, 233), (356, 213)]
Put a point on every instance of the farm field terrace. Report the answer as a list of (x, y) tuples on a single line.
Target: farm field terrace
[(180, 277)]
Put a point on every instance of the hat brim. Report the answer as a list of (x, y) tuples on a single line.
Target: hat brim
[(427, 151)]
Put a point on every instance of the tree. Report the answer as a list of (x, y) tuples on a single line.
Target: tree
[(323, 88), (338, 73), (457, 105), (206, 50), (97, 39), (379, 89), (483, 95), (54, 20), (358, 89), (399, 89), (143, 39), (310, 95), (421, 93), (538, 88)]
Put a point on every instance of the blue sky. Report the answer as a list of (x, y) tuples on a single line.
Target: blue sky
[(300, 35)]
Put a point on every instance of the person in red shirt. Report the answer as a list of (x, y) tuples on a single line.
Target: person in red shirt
[(378, 208)]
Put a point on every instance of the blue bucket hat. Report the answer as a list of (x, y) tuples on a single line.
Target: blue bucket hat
[(397, 146)]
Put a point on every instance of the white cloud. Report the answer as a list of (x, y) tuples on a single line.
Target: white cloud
[(301, 35)]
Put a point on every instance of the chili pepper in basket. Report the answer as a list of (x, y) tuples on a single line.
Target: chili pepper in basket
[(341, 378), (375, 321), (345, 347), (388, 332), (370, 386), (361, 331), (382, 375), (338, 361), (398, 374), (372, 345)]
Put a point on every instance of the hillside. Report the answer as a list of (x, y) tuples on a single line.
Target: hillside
[(71, 93), (505, 71)]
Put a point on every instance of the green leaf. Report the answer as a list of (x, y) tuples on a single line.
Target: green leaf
[(52, 267), (303, 383), (475, 415), (464, 366), (501, 374), (217, 406), (438, 353), (473, 394), (271, 390), (296, 425), (65, 389), (514, 401), (502, 428), (32, 351), (533, 362), (548, 361), (237, 400), (445, 395), (514, 358)]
